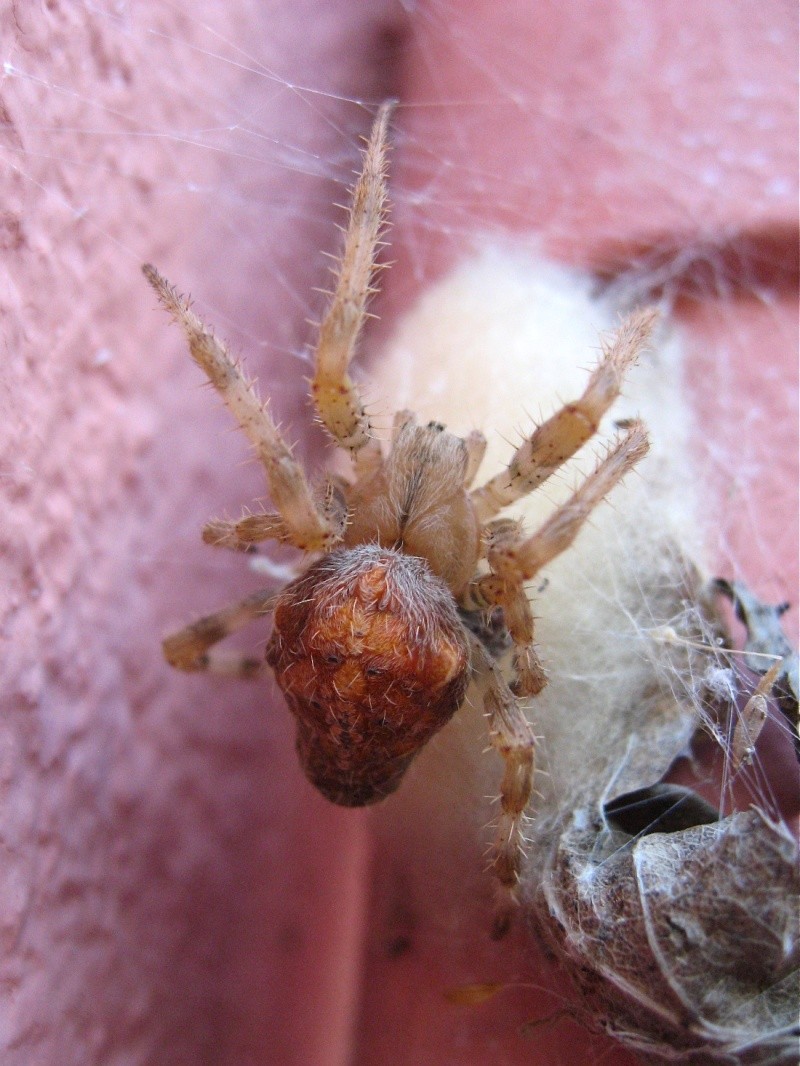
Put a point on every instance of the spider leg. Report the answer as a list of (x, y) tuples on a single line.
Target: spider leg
[(306, 525), (190, 648), (515, 559), (476, 449), (251, 529), (511, 735), (490, 591), (560, 437), (245, 532), (335, 396)]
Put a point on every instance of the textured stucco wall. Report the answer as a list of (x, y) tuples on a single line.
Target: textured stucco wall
[(148, 912), (171, 890)]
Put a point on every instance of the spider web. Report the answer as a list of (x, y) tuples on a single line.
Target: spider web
[(215, 142)]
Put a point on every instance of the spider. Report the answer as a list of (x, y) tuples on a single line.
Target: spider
[(376, 641)]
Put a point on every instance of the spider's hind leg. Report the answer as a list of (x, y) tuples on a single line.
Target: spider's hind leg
[(512, 737), (507, 591), (192, 648)]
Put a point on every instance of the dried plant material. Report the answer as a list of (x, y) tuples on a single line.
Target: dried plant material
[(684, 944), (663, 807), (752, 718), (473, 995), (678, 926), (765, 643)]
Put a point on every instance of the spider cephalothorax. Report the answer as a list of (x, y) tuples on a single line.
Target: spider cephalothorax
[(374, 644)]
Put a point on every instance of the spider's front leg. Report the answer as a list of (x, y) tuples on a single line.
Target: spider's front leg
[(516, 558), (335, 397), (301, 519)]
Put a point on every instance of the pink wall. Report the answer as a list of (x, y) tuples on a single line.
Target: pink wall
[(171, 889)]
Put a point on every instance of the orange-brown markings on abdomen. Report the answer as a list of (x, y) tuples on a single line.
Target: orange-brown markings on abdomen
[(373, 660)]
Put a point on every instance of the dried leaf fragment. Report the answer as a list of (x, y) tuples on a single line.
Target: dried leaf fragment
[(752, 718), (678, 926), (685, 945), (474, 994), (766, 643)]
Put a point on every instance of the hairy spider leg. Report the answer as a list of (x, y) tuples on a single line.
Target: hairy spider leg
[(512, 737), (190, 648), (515, 559), (302, 519), (560, 437), (335, 397)]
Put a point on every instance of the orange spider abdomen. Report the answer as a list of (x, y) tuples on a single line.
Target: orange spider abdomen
[(372, 658)]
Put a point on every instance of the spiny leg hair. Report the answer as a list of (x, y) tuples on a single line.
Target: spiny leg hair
[(515, 559), (190, 648), (560, 437), (251, 529), (300, 519), (335, 396), (520, 558), (512, 737)]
